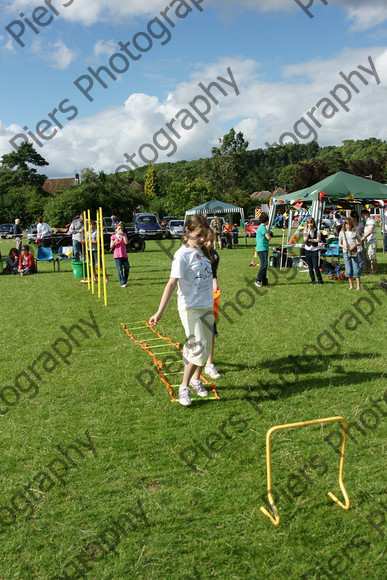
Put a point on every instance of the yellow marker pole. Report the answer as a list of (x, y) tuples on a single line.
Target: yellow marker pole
[(103, 259), (276, 519), (85, 252), (90, 254), (99, 253)]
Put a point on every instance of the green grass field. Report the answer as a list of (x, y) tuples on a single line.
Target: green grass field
[(152, 490)]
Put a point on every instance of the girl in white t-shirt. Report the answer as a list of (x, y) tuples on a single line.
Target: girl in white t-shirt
[(192, 272)]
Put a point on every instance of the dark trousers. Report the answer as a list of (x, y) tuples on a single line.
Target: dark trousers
[(263, 258), (312, 259)]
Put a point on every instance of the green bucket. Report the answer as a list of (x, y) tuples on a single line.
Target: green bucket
[(78, 269)]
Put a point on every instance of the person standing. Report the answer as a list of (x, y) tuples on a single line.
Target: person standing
[(210, 369), (384, 231), (337, 222), (360, 229), (350, 240), (235, 235), (43, 233), (118, 242), (76, 229), (192, 272), (371, 240), (262, 238), (216, 226), (312, 238), (17, 232), (227, 229)]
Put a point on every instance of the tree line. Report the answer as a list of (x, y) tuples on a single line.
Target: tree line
[(231, 174)]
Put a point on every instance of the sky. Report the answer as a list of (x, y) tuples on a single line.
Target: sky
[(282, 70)]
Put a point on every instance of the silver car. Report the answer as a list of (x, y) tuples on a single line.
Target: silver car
[(175, 229)]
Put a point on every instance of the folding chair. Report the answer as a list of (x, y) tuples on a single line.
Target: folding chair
[(45, 255)]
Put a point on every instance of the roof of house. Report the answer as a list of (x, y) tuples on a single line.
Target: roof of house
[(53, 185)]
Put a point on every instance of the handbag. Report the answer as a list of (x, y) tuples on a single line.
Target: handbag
[(350, 253)]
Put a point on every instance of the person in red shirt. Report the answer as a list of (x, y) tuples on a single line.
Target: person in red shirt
[(26, 262)]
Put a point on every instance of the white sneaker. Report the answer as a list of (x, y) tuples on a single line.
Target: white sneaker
[(198, 386), (184, 396), (212, 371), (123, 285)]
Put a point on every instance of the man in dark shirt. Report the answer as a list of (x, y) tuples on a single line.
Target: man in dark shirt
[(17, 232)]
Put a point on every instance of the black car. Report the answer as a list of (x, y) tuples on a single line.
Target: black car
[(6, 230)]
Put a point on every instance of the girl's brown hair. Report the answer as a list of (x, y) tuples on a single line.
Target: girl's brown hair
[(194, 222), (310, 220), (351, 223), (206, 251)]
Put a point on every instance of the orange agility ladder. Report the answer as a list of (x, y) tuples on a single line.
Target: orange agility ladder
[(148, 336)]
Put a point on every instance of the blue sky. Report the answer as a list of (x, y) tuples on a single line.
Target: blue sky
[(283, 63)]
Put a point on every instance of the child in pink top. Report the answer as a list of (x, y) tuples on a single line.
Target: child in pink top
[(118, 242)]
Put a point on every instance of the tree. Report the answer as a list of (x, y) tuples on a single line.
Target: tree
[(288, 176), (229, 160), (88, 175), (24, 202), (152, 187), (185, 194), (18, 162), (310, 173)]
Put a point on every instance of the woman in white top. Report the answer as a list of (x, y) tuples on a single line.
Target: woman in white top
[(350, 240), (192, 272)]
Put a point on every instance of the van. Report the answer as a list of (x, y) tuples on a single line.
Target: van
[(147, 225)]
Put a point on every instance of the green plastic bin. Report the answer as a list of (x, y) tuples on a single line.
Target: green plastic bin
[(78, 269)]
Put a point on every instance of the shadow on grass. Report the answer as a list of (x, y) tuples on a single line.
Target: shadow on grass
[(289, 378)]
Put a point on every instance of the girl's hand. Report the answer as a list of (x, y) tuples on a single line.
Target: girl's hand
[(353, 247), (154, 319)]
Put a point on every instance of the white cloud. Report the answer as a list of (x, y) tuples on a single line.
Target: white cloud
[(60, 56), (362, 14), (263, 112), (107, 47)]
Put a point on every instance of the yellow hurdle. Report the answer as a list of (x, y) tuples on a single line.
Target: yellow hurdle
[(276, 519)]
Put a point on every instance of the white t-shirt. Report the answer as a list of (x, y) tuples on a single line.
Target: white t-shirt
[(371, 226), (194, 273)]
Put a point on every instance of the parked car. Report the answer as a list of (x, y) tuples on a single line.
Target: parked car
[(165, 221), (146, 225), (6, 230), (175, 229), (31, 233), (108, 227), (251, 227)]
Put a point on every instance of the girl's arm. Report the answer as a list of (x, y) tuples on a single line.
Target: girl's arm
[(167, 295)]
